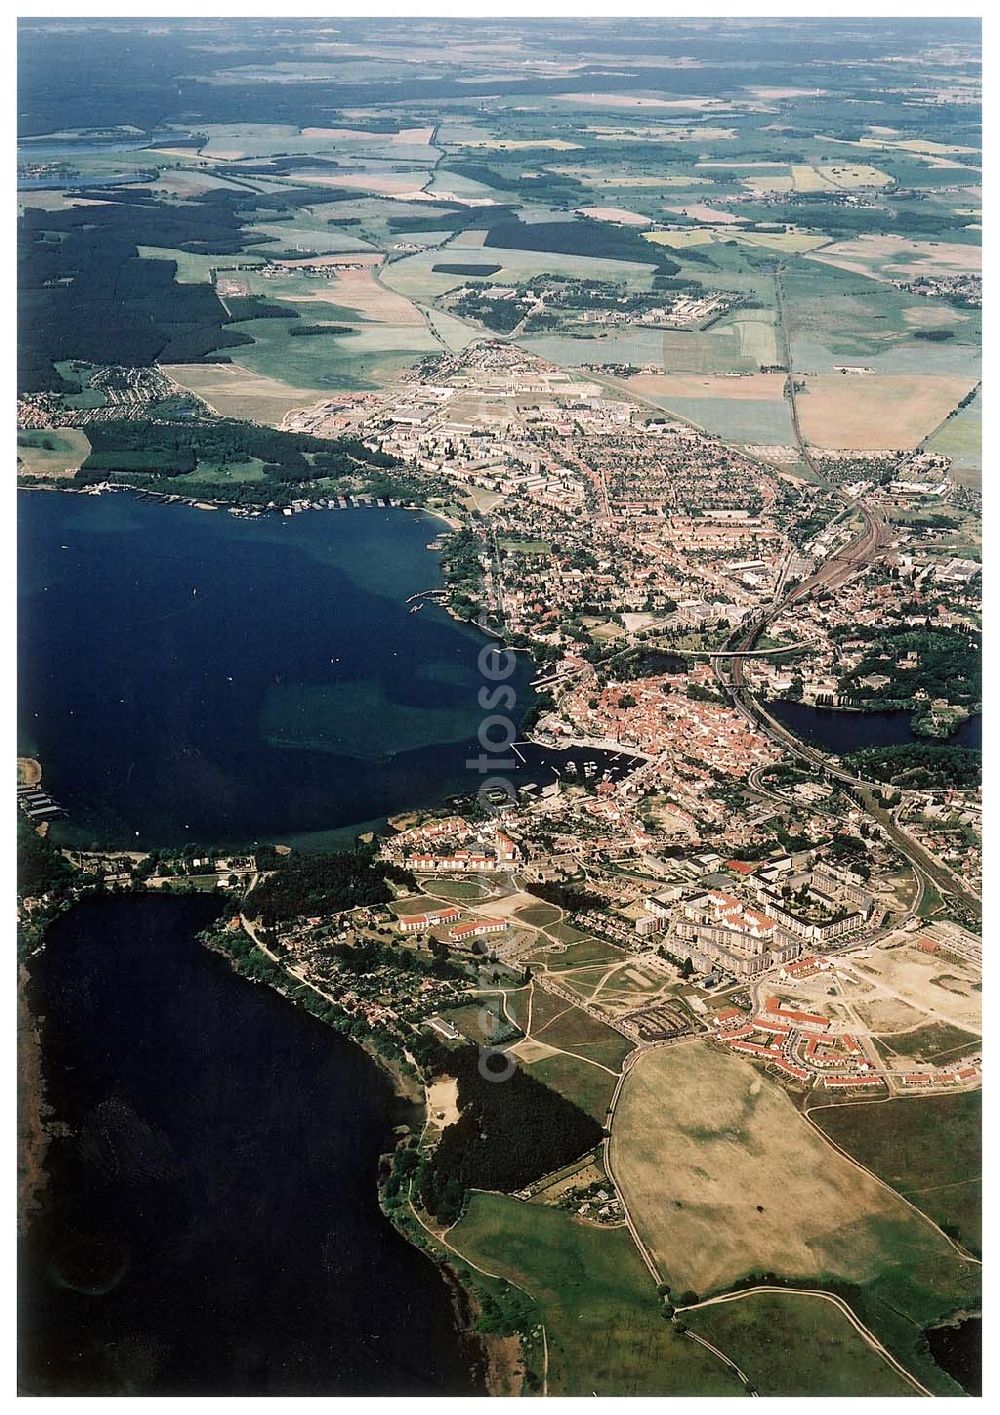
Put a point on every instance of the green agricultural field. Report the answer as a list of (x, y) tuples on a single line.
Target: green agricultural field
[(51, 452), (193, 269), (365, 358), (927, 1147), (725, 1182), (790, 1344), (603, 1326), (961, 438), (751, 420), (587, 1086)]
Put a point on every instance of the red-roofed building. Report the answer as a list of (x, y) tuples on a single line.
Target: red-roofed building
[(801, 1021), (476, 927)]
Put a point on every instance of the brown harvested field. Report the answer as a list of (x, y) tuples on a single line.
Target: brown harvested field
[(928, 316), (723, 1177), (406, 137), (887, 1016), (883, 256), (529, 1051), (618, 214), (859, 412), (442, 1101), (29, 772), (390, 184), (235, 392), (699, 211), (360, 290), (708, 385)]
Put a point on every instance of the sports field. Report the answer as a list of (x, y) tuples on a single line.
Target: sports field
[(603, 1326)]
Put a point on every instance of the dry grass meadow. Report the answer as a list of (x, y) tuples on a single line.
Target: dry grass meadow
[(723, 1178)]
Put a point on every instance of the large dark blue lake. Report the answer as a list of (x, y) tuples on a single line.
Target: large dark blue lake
[(189, 675), (209, 1223)]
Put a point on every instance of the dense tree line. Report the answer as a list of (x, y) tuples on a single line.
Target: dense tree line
[(41, 867), (324, 884), (917, 765), (173, 448), (566, 896), (579, 237), (460, 268), (509, 1132)]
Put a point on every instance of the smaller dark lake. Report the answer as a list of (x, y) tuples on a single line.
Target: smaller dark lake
[(841, 732), (959, 1351)]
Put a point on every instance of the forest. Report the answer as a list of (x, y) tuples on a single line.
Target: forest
[(509, 1132), (324, 884), (41, 868), (170, 449), (919, 765), (85, 293), (580, 237), (949, 667)]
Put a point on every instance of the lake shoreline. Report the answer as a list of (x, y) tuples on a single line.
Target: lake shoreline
[(39, 1126), (486, 1351)]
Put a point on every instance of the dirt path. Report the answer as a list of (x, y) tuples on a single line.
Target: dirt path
[(869, 1337), (883, 1100)]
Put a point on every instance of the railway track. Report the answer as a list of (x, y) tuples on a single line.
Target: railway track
[(830, 575)]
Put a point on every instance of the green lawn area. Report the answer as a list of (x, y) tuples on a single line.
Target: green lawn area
[(525, 547), (936, 1042), (789, 1344), (927, 1147), (458, 889), (224, 473), (539, 914), (560, 1024), (580, 950), (587, 1086), (604, 1329)]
